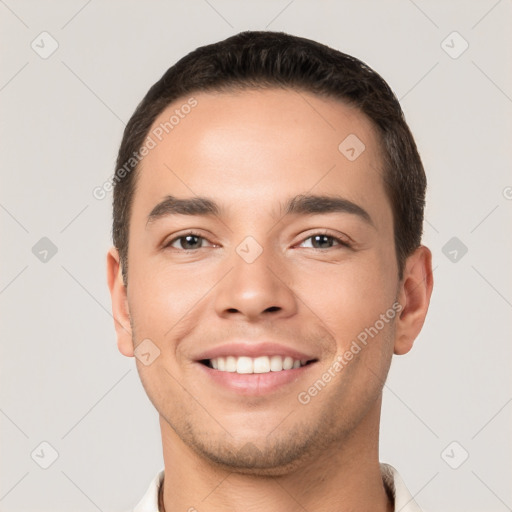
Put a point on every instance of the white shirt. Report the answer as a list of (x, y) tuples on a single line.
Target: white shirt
[(404, 502)]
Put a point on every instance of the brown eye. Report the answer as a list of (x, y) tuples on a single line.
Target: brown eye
[(324, 241), (187, 242)]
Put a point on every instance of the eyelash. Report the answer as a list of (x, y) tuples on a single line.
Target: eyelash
[(340, 241)]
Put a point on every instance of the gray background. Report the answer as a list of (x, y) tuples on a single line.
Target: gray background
[(63, 380)]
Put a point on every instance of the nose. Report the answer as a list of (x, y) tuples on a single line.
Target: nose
[(256, 290)]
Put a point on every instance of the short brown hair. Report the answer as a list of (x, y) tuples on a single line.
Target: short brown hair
[(260, 59)]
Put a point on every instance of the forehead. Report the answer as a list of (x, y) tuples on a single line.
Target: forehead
[(251, 147)]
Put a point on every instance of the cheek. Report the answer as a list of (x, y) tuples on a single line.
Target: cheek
[(350, 297), (163, 299)]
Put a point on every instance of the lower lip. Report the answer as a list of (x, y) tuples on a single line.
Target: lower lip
[(254, 384)]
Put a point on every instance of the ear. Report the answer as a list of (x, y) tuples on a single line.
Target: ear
[(414, 296), (119, 303)]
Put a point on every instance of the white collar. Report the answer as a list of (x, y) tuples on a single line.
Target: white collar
[(404, 502)]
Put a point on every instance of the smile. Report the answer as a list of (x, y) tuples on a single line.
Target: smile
[(261, 364)]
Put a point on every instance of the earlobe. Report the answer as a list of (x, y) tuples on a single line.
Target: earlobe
[(120, 310), (414, 296)]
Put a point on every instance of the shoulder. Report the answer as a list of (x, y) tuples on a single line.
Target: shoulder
[(149, 502), (404, 501)]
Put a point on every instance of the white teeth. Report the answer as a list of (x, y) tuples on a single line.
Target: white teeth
[(288, 363), (231, 364), (262, 364), (244, 365), (276, 363)]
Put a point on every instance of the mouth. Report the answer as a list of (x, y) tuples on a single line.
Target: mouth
[(256, 377), (255, 368), (255, 365)]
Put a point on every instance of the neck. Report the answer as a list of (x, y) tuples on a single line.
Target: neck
[(342, 477)]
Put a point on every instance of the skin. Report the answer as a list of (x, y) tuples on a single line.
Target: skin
[(250, 151)]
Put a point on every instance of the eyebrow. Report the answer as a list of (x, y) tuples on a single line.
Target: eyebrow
[(302, 204), (171, 205), (306, 204)]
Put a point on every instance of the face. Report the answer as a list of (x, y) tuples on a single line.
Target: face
[(287, 259)]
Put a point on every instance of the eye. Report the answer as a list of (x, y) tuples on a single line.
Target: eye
[(187, 242), (324, 241)]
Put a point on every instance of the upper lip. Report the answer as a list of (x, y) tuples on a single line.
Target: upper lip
[(253, 349)]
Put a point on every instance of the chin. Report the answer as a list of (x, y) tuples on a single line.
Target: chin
[(278, 458)]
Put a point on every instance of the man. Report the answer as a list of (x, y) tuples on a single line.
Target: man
[(267, 264)]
